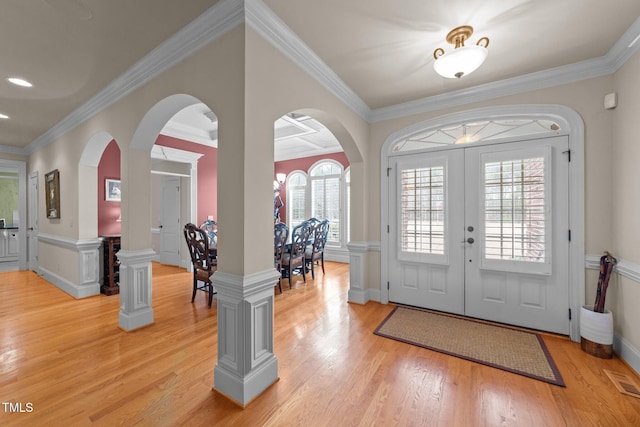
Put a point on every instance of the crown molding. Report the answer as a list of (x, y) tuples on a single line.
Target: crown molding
[(9, 149), (228, 14), (266, 23), (211, 25)]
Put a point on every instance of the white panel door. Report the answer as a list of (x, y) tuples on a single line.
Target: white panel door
[(170, 228), (427, 268), (483, 231), (517, 205)]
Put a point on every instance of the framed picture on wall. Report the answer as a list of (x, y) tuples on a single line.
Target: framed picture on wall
[(112, 190), (52, 186)]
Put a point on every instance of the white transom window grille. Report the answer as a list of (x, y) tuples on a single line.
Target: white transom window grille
[(485, 130)]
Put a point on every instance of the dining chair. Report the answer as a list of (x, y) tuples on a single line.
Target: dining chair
[(293, 259), (203, 266), (314, 252), (280, 235)]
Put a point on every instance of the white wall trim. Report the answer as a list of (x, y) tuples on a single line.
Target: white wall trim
[(88, 264), (76, 291), (624, 268), (626, 351)]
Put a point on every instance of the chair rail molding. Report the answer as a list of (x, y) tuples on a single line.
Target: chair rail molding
[(88, 262)]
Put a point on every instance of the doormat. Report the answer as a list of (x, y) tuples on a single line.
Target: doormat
[(624, 383), (509, 349)]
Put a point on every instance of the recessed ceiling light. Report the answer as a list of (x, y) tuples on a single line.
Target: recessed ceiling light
[(19, 82), (3, 116)]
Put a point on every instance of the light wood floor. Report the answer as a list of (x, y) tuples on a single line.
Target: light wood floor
[(69, 360)]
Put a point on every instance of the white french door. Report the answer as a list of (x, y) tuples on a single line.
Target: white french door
[(483, 231)]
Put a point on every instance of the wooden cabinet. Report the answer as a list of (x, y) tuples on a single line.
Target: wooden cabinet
[(111, 246)]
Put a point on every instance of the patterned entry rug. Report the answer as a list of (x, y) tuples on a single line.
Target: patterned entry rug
[(501, 347)]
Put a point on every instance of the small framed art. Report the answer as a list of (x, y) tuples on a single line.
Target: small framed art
[(52, 186), (112, 190)]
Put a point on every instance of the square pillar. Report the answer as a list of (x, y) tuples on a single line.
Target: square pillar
[(135, 289), (246, 362)]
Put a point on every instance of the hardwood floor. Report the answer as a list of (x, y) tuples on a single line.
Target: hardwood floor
[(66, 362)]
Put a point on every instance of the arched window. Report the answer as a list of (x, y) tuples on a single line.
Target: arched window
[(326, 196), (296, 198)]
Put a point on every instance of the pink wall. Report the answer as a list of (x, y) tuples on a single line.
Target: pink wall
[(108, 212), (207, 174), (109, 167), (288, 166)]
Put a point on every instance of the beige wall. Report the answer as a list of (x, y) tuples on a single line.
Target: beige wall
[(623, 209)]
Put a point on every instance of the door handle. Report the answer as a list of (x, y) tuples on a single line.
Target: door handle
[(469, 240)]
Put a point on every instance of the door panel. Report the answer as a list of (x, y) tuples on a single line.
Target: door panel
[(517, 202), (428, 268), (489, 239)]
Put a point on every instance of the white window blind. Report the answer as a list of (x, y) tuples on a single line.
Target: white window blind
[(514, 210), (325, 197), (422, 217), (296, 198)]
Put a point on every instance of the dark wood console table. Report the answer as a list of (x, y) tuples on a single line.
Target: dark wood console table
[(111, 285)]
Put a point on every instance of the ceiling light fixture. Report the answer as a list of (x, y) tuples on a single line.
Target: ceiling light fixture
[(19, 82), (462, 60), (3, 116)]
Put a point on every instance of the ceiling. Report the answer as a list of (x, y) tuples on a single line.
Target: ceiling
[(74, 51)]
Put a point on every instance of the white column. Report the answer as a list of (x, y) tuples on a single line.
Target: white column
[(135, 289), (246, 362)]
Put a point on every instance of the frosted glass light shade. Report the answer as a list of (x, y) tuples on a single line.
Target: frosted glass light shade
[(461, 61)]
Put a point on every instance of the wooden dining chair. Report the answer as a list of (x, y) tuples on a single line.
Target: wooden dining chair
[(280, 235), (293, 259), (203, 267), (314, 252)]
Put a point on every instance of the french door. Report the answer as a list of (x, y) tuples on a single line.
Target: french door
[(483, 231)]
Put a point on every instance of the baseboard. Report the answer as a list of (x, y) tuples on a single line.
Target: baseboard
[(626, 351), (72, 289)]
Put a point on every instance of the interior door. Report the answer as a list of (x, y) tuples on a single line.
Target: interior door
[(170, 221), (483, 231), (32, 231)]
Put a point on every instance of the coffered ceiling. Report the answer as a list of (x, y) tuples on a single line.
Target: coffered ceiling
[(379, 52)]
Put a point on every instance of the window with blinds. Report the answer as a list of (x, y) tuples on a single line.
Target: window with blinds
[(422, 216), (514, 210), (325, 196), (296, 198)]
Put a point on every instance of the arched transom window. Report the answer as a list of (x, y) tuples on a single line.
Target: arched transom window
[(486, 130)]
